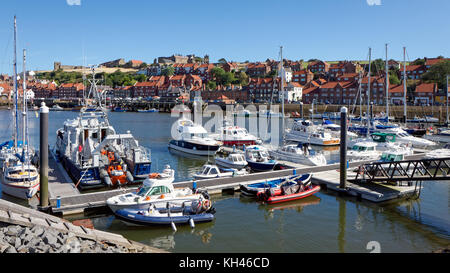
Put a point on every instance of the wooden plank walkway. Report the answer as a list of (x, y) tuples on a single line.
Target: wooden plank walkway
[(369, 191)]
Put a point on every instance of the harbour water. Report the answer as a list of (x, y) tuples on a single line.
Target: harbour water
[(325, 222)]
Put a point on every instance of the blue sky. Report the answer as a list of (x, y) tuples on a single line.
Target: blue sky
[(101, 30)]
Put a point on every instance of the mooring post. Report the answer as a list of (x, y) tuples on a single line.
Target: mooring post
[(301, 110), (343, 148), (43, 164)]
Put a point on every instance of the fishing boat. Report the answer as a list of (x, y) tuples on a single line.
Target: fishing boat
[(254, 188), (155, 190), (306, 132), (300, 153), (288, 191), (80, 143), (258, 158), (209, 171), (231, 135), (234, 160), (192, 138), (195, 212)]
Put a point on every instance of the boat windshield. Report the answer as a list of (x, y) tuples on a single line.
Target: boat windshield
[(205, 170), (359, 148), (142, 191)]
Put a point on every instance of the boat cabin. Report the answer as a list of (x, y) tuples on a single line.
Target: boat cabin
[(383, 137), (364, 147), (387, 157), (153, 188)]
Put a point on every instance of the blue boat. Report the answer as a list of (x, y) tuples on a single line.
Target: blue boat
[(118, 109), (258, 158), (151, 217), (253, 189)]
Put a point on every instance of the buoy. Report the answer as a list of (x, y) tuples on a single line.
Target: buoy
[(173, 226), (191, 223)]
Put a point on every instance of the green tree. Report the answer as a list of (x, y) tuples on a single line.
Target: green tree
[(376, 66), (393, 78), (241, 78), (211, 85), (418, 62), (438, 73), (168, 71)]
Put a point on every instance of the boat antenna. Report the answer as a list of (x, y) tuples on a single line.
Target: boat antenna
[(25, 129)]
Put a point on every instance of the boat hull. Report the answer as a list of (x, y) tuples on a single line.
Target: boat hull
[(88, 178), (133, 217), (261, 166), (292, 197), (21, 192), (254, 188), (191, 148)]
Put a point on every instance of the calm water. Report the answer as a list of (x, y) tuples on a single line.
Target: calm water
[(321, 223)]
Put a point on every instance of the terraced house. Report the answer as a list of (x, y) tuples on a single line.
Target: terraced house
[(318, 66)]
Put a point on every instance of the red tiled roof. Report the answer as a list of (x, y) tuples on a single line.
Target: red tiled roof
[(426, 87), (396, 88), (434, 61), (309, 90)]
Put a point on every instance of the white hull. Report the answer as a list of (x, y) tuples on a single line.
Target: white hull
[(226, 164), (438, 138), (311, 160), (159, 203), (311, 140), (22, 192), (192, 151)]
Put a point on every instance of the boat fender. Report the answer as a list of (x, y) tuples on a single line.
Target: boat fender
[(108, 181), (174, 227), (161, 196), (147, 198), (153, 175), (130, 177), (191, 222)]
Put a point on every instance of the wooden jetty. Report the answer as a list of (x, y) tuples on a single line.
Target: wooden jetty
[(72, 201)]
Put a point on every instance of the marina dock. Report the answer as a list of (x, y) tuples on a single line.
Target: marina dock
[(72, 201)]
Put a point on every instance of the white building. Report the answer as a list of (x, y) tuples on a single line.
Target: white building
[(293, 92)]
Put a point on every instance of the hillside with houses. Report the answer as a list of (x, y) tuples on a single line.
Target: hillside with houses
[(178, 77)]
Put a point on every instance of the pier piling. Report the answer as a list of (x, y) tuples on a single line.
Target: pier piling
[(43, 156), (343, 149)]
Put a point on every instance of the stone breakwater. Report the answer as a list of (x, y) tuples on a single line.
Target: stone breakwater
[(18, 239)]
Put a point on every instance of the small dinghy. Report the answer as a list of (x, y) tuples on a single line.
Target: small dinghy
[(255, 188), (196, 212), (288, 191)]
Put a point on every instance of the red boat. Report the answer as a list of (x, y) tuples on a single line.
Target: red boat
[(287, 193)]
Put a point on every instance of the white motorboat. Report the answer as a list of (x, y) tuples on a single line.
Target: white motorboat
[(365, 150), (234, 160), (156, 190), (443, 135), (403, 137), (237, 136), (193, 139), (439, 153), (306, 132), (209, 171), (299, 153)]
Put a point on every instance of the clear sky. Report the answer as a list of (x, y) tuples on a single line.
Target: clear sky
[(101, 30)]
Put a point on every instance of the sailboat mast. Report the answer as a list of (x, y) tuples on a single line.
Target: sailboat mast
[(16, 116), (404, 84), (387, 85), (282, 88), (368, 96), (24, 85), (447, 99)]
